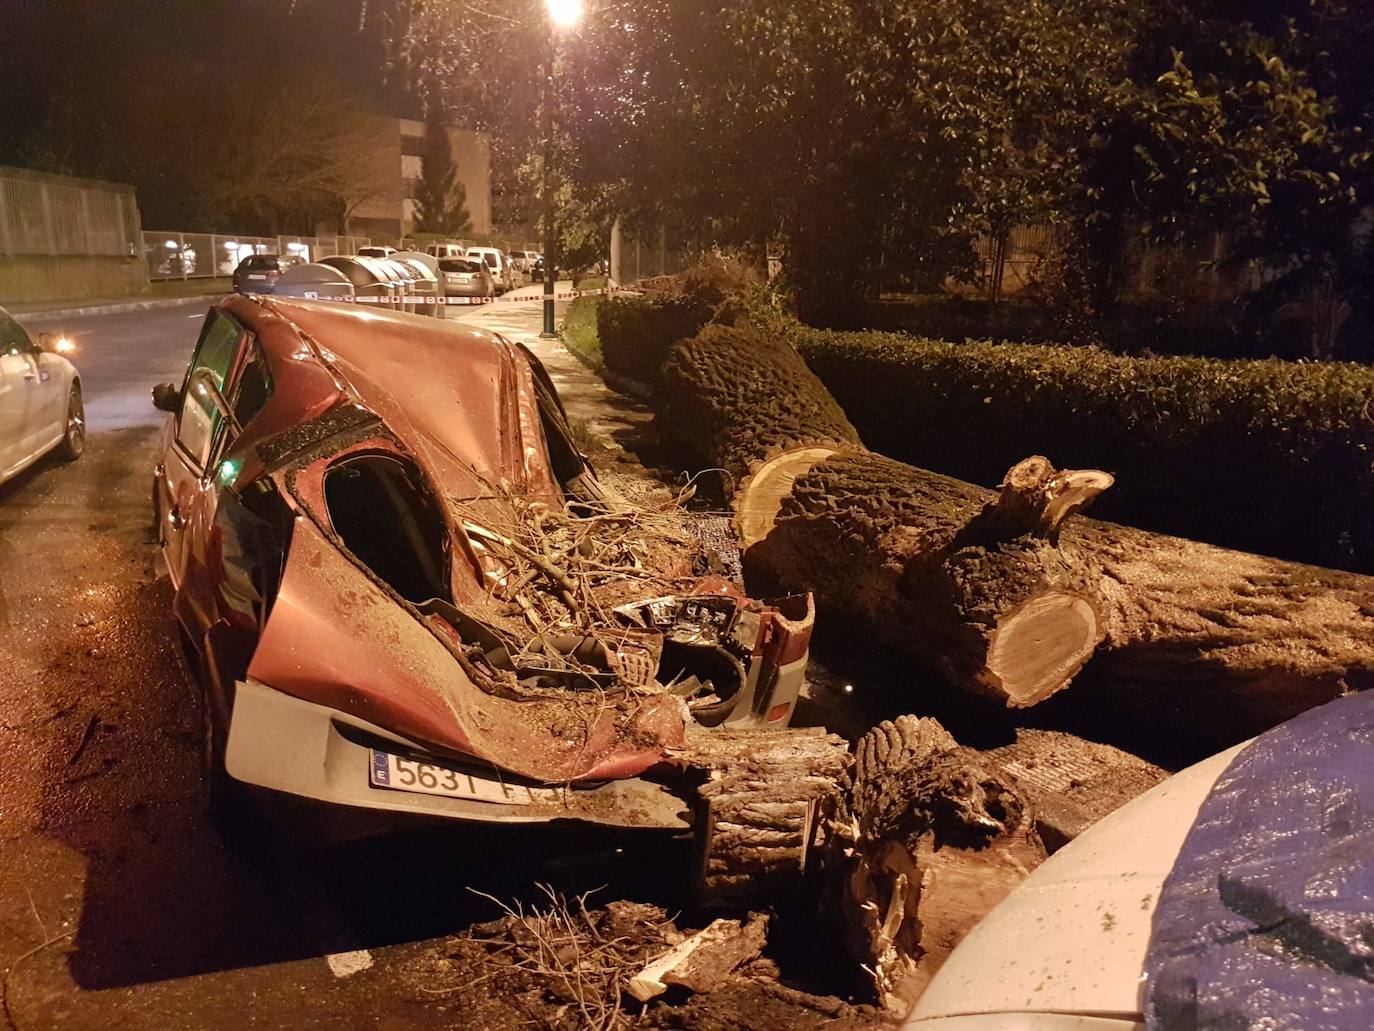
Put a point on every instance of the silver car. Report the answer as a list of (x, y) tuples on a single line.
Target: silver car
[(466, 277)]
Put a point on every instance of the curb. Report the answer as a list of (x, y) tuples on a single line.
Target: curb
[(110, 309)]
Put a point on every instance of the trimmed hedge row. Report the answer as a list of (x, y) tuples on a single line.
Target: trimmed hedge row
[(1266, 456), (636, 332)]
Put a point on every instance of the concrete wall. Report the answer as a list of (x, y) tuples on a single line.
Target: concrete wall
[(69, 277)]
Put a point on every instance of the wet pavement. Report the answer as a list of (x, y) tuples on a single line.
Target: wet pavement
[(122, 905)]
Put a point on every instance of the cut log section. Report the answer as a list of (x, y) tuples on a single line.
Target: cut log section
[(765, 806), (1009, 593)]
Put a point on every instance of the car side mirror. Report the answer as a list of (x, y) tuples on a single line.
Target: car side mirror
[(166, 397), (203, 386)]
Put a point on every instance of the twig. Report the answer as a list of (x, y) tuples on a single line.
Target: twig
[(86, 736), (42, 927), (9, 971)]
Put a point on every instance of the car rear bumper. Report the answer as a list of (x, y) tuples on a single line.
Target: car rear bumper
[(287, 744)]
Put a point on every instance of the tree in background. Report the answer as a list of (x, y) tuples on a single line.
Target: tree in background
[(440, 199), (878, 141)]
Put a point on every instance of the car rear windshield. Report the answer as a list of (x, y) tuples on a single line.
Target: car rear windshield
[(460, 265), (261, 262)]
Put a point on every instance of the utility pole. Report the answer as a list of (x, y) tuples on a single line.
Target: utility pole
[(550, 234)]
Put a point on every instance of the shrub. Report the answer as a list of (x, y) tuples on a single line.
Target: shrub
[(636, 332), (1266, 456)]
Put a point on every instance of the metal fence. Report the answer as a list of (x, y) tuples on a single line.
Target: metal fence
[(201, 255), (59, 215)]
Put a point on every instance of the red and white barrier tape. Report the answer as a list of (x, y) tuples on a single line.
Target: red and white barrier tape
[(559, 295)]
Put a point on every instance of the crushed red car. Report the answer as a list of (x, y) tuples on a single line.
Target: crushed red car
[(403, 588)]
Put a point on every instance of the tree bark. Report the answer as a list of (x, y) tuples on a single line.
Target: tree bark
[(767, 799), (999, 591)]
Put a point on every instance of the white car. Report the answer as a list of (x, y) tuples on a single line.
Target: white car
[(499, 265), (380, 251), (40, 399), (1235, 894)]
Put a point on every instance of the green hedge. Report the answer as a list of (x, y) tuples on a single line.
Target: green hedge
[(636, 332), (1265, 456)]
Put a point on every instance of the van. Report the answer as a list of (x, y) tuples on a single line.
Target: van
[(498, 263), (446, 250)]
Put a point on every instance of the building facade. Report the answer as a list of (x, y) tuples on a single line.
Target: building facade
[(389, 214)]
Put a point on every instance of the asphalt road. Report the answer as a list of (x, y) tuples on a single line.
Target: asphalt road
[(122, 905)]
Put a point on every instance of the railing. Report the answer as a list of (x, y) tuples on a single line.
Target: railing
[(59, 216), (172, 255)]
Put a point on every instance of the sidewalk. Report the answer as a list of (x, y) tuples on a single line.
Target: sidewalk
[(163, 295), (591, 405)]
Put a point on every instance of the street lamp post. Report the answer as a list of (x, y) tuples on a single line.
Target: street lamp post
[(563, 14)]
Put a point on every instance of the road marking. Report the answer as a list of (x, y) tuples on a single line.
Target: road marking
[(196, 316), (346, 964)]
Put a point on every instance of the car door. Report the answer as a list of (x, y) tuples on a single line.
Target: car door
[(204, 565), (14, 400), (48, 412), (182, 479)]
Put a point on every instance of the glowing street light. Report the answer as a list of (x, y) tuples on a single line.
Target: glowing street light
[(564, 13)]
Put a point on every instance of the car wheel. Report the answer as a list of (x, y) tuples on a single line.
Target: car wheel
[(74, 439)]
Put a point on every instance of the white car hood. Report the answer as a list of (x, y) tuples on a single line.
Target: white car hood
[(1072, 938)]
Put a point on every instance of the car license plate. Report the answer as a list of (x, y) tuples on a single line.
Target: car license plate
[(401, 774), (255, 275)]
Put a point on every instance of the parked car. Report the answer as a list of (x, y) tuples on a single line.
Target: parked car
[(258, 273), (377, 251), (466, 277), (446, 250), (521, 260), (40, 399), (1234, 894), (496, 262), (336, 496)]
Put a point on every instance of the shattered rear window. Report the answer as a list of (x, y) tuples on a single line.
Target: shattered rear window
[(383, 513)]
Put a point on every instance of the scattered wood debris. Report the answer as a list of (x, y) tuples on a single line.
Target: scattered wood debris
[(704, 961), (566, 965)]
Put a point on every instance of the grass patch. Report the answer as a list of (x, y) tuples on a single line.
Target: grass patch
[(189, 287), (579, 332)]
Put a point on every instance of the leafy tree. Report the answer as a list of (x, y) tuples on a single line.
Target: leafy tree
[(877, 140), (440, 200)]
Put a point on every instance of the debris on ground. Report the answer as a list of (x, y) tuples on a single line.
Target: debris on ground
[(567, 965)]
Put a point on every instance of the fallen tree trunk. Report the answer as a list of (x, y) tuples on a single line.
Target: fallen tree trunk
[(998, 590), (935, 841)]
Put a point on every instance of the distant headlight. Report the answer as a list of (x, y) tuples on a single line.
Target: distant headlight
[(64, 346)]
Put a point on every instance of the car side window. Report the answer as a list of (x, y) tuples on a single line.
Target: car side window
[(254, 386), (13, 338), (199, 422)]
